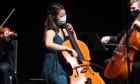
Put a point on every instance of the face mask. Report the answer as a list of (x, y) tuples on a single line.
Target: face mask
[(135, 12), (62, 20)]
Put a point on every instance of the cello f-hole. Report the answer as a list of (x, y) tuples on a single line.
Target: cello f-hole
[(84, 70)]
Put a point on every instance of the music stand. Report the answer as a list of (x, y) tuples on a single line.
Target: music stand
[(92, 41)]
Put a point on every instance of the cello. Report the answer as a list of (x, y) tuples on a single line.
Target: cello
[(81, 72), (117, 69)]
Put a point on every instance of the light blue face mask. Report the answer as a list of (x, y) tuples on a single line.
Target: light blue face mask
[(62, 20)]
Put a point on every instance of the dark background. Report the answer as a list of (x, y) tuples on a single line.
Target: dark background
[(104, 17)]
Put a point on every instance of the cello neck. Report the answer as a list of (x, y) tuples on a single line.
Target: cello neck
[(73, 42)]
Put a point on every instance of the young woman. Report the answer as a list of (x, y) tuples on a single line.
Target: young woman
[(54, 35)]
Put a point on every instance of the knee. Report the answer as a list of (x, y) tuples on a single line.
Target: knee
[(4, 68), (106, 61)]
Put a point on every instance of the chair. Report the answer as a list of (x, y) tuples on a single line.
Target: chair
[(13, 62)]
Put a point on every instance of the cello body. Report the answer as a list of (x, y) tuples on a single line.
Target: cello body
[(82, 73), (80, 70), (117, 68)]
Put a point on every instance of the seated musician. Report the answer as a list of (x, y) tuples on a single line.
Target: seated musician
[(135, 74)]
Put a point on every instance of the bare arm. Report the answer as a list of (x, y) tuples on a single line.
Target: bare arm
[(49, 35)]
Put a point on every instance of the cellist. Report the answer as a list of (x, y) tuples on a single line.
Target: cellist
[(54, 36), (134, 10)]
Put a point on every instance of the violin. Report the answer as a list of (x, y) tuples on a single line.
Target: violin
[(2, 30)]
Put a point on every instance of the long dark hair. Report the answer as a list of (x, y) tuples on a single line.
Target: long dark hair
[(52, 12)]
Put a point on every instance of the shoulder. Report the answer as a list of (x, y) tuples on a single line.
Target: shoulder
[(51, 32)]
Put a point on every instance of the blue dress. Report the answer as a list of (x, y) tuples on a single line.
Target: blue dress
[(52, 70)]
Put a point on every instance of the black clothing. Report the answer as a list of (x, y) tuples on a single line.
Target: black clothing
[(135, 74), (5, 67)]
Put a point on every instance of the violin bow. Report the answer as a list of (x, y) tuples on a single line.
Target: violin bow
[(7, 18)]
